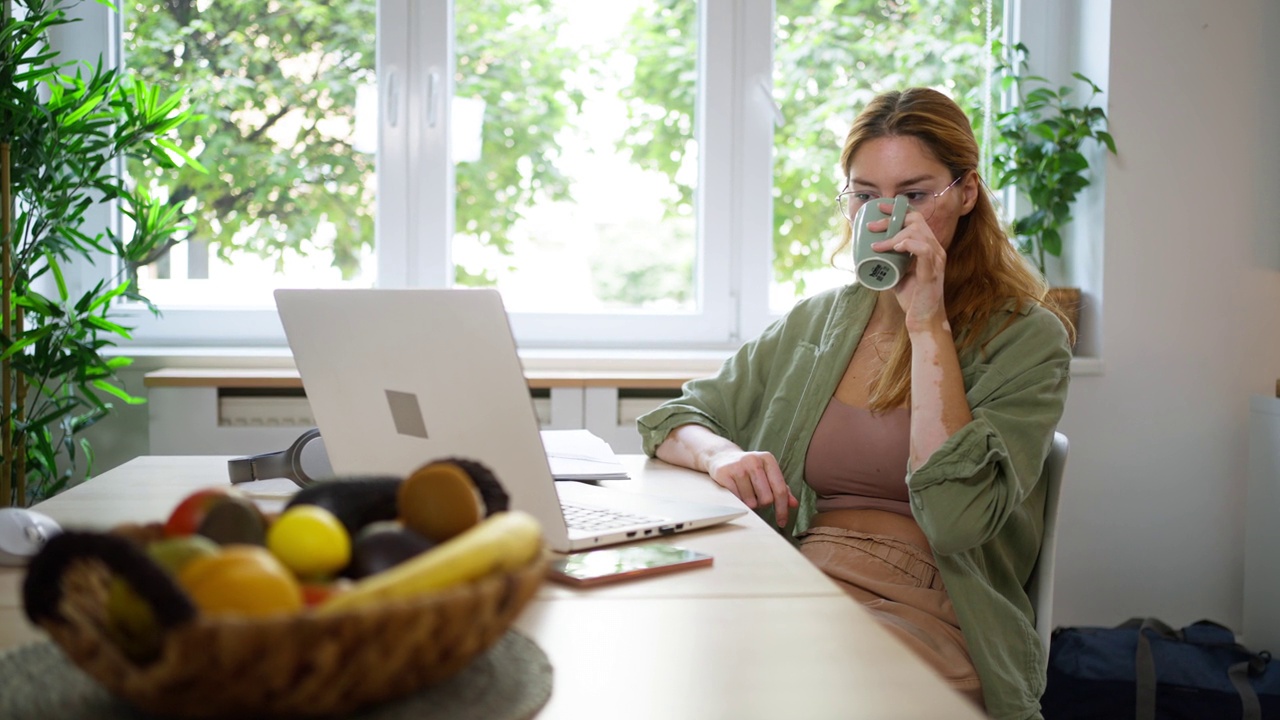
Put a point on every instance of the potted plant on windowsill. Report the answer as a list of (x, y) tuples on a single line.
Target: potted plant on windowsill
[(65, 128), (1038, 151)]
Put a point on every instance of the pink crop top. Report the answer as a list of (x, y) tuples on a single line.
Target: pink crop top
[(859, 460)]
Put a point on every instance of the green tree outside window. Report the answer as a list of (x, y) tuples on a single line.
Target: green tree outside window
[(830, 58), (276, 85)]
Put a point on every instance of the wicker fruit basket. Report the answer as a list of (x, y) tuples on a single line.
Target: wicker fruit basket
[(303, 665)]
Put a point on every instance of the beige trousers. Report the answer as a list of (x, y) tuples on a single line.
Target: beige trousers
[(883, 561)]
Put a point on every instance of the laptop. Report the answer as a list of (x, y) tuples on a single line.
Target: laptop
[(398, 378)]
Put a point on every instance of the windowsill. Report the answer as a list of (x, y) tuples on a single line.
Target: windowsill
[(545, 368), (266, 368)]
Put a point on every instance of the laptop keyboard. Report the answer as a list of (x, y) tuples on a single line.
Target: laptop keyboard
[(581, 517)]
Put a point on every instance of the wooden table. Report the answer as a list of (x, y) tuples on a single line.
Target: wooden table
[(760, 634)]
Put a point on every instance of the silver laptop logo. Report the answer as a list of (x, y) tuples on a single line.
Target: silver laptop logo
[(406, 413)]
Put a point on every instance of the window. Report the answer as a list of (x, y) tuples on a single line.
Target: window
[(827, 65), (575, 194), (288, 133), (631, 173)]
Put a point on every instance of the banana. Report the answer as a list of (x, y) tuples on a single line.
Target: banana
[(503, 541)]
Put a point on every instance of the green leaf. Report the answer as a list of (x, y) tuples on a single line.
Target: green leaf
[(1039, 97), (1107, 140), (187, 158), (1052, 242), (102, 300), (86, 105), (56, 268), (35, 302), (118, 392), (1087, 81), (1073, 161), (107, 325), (1044, 130), (27, 340)]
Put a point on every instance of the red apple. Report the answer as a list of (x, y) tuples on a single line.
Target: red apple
[(187, 516)]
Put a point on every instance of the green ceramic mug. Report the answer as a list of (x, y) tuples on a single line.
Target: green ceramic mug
[(878, 270)]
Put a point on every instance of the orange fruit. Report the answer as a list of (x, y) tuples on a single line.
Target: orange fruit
[(241, 580), (310, 540)]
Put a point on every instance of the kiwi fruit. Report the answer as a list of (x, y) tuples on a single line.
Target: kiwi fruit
[(494, 495), (439, 500)]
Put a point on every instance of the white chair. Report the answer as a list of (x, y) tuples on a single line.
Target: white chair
[(1040, 584)]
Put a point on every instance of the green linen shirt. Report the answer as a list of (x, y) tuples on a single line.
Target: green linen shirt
[(978, 498)]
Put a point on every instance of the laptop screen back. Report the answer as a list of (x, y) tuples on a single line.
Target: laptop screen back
[(398, 378)]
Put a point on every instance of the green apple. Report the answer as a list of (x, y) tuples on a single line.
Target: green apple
[(131, 622), (174, 552)]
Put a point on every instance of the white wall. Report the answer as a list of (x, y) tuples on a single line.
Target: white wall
[(1153, 501)]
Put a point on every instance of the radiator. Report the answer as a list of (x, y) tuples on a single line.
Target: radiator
[(288, 411)]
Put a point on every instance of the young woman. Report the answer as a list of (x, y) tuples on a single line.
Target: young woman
[(899, 436)]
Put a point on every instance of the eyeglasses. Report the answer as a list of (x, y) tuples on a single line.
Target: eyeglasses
[(923, 201)]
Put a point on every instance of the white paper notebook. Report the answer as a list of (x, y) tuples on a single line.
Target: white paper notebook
[(581, 455)]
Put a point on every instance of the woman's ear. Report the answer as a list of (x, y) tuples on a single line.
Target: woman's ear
[(971, 186)]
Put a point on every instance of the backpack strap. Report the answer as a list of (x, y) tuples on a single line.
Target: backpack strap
[(1145, 671), (1239, 675), (1253, 665), (1145, 665)]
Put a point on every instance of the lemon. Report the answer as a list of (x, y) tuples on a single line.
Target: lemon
[(310, 540)]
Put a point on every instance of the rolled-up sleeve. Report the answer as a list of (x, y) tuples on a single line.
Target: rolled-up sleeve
[(657, 424), (965, 492), (725, 403)]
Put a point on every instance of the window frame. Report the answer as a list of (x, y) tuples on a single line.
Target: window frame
[(735, 118)]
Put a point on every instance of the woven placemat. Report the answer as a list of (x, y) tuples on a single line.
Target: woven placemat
[(510, 681)]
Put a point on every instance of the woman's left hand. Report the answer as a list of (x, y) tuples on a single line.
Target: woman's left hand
[(920, 291)]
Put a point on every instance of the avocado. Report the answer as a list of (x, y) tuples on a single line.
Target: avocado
[(356, 501), (382, 545)]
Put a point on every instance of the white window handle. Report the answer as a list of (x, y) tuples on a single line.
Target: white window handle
[(433, 98), (393, 98)]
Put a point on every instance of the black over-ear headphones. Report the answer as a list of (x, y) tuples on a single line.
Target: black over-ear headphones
[(304, 462)]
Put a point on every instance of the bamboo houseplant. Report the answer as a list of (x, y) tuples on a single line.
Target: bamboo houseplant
[(66, 128), (1038, 151)]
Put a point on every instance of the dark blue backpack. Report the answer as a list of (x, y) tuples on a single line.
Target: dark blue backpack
[(1145, 670)]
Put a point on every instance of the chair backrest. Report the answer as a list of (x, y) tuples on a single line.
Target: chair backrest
[(1040, 584)]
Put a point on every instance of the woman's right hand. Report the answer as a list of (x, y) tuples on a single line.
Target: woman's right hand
[(755, 478)]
